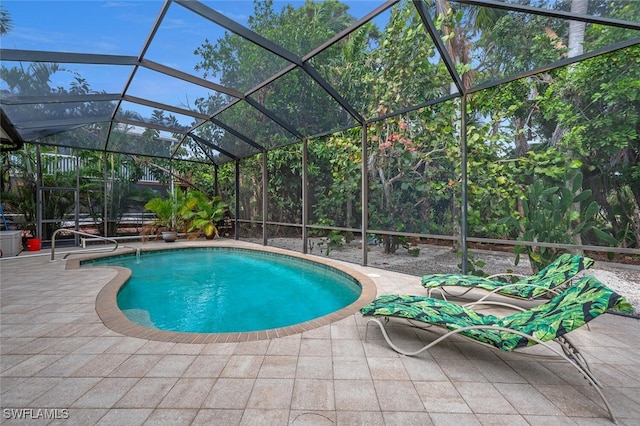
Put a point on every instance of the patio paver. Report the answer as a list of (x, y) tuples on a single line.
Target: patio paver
[(57, 354)]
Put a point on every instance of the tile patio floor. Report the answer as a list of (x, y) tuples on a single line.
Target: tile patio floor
[(57, 354)]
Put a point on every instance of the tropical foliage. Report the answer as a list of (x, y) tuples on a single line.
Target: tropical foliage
[(203, 214), (553, 157)]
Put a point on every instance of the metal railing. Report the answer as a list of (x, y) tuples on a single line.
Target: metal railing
[(64, 163), (73, 231)]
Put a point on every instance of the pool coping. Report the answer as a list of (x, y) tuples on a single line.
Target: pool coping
[(114, 319)]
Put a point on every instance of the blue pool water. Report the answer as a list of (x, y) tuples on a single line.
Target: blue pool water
[(216, 290)]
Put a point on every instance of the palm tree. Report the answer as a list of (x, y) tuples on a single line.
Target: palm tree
[(577, 28), (576, 38), (203, 213), (6, 24)]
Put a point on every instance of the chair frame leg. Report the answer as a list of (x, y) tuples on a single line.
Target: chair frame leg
[(569, 352)]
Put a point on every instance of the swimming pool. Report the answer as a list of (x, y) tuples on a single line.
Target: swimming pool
[(230, 290)]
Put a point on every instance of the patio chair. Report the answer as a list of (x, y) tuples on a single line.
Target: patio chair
[(549, 280), (550, 321)]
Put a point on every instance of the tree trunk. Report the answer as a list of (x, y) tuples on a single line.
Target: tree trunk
[(522, 145), (577, 28), (576, 38)]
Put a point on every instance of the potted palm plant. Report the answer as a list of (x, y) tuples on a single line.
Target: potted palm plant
[(203, 214), (168, 216)]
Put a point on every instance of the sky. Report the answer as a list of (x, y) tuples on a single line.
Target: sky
[(113, 27), (121, 27)]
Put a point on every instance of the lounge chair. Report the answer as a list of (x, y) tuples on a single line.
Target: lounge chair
[(550, 321), (549, 280)]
